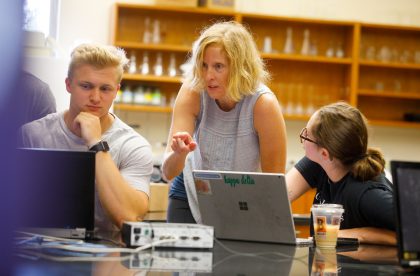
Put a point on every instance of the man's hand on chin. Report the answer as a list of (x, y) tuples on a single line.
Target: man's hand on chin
[(89, 127)]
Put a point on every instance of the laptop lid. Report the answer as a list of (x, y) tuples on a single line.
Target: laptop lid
[(245, 205), (406, 180), (56, 192)]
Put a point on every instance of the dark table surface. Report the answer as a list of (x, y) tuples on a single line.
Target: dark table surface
[(226, 258)]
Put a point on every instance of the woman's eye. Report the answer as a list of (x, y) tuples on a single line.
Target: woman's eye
[(219, 67)]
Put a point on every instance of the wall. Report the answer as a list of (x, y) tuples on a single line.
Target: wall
[(91, 21), (405, 12)]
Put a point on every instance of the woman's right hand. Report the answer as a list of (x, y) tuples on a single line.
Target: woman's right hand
[(182, 143)]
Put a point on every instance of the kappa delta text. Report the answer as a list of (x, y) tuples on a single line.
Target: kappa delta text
[(245, 180)]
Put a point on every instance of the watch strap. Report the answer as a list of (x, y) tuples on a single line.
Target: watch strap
[(100, 146)]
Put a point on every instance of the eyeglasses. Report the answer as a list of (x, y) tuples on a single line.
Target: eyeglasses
[(304, 136)]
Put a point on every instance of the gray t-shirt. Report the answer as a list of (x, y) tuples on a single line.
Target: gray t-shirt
[(131, 152)]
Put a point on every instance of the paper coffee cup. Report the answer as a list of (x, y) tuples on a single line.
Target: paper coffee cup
[(326, 219)]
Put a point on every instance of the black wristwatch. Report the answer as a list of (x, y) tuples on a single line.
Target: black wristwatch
[(100, 146)]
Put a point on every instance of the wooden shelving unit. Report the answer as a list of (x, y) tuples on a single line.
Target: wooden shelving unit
[(383, 89), (388, 81)]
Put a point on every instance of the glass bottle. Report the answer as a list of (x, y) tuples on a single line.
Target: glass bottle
[(330, 50), (158, 70), (370, 53), (299, 100), (288, 45), (267, 45), (290, 105), (310, 107), (139, 95), (147, 34), (145, 64), (156, 32), (127, 95), (172, 66), (156, 96), (339, 52), (148, 95), (132, 68), (306, 43)]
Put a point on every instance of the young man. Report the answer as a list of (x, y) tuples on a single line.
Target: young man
[(124, 160)]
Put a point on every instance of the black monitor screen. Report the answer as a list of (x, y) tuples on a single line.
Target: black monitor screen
[(408, 181), (56, 188)]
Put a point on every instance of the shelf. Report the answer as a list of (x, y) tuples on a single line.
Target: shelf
[(318, 59), (389, 123), (176, 9), (296, 117), (389, 94), (153, 47), (151, 78), (351, 78), (143, 108), (411, 66)]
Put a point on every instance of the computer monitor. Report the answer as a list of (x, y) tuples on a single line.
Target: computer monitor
[(406, 180), (56, 191)]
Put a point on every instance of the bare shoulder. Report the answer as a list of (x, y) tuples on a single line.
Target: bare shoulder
[(187, 100), (266, 104)]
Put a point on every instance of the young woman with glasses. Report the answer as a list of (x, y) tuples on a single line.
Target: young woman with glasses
[(344, 170)]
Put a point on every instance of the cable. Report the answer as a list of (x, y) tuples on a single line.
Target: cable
[(85, 249), (32, 235)]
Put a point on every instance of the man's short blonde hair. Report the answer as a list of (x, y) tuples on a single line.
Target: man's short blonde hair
[(98, 56), (247, 69)]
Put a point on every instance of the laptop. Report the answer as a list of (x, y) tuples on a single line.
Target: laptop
[(56, 192), (406, 180), (246, 206)]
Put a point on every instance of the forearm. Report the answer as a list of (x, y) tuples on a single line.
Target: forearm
[(296, 184), (120, 201), (173, 165), (370, 235)]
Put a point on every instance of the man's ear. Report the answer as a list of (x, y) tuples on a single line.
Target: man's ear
[(116, 91), (68, 83)]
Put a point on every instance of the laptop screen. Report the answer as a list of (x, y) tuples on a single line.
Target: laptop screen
[(56, 189), (406, 178)]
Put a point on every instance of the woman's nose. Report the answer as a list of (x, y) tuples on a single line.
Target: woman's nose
[(209, 74)]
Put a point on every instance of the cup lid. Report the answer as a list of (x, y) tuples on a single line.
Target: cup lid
[(327, 206)]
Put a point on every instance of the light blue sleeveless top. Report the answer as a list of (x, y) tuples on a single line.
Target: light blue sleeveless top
[(226, 141)]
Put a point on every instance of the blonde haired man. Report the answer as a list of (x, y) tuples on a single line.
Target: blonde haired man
[(123, 157)]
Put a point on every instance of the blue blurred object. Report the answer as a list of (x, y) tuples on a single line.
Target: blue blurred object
[(10, 66)]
